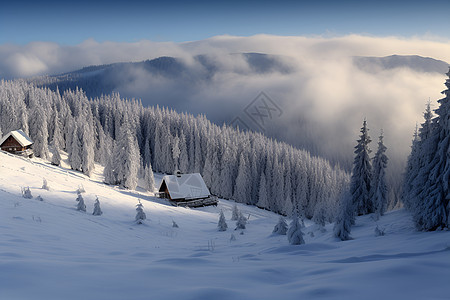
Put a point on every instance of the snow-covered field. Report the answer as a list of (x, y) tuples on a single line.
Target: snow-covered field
[(48, 250)]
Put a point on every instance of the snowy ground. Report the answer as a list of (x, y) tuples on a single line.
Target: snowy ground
[(48, 250)]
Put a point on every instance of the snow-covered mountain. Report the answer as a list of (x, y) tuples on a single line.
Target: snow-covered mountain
[(48, 250), (413, 62), (117, 77)]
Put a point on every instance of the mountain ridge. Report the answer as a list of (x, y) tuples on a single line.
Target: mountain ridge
[(414, 62)]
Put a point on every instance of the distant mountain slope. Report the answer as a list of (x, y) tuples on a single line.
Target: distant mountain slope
[(413, 62), (118, 77)]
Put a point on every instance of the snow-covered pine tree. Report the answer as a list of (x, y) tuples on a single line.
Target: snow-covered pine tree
[(379, 189), (427, 147), (57, 139), (361, 174), (412, 169), (26, 193), (56, 157), (176, 151), (234, 213), (418, 166), (262, 199), (147, 153), (198, 156), (80, 205), (149, 178), (319, 216), (288, 207), (39, 131), (215, 176), (168, 166), (243, 182), (294, 233), (222, 224), (227, 173), (158, 152), (45, 184), (431, 211), (379, 232), (345, 217), (97, 209), (140, 214), (241, 221), (76, 149), (184, 159), (281, 227), (126, 159), (276, 197), (110, 172), (87, 151), (208, 166)]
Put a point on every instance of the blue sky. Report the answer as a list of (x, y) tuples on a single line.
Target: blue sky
[(70, 23)]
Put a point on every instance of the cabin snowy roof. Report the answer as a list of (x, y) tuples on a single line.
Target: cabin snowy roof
[(20, 136), (185, 186)]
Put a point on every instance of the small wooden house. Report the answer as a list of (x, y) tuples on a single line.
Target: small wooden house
[(17, 142), (186, 190)]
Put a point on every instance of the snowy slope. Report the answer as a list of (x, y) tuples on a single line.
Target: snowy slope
[(48, 250)]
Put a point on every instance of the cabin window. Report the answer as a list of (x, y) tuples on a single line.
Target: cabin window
[(10, 149)]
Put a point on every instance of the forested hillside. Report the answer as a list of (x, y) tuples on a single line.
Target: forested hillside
[(128, 139)]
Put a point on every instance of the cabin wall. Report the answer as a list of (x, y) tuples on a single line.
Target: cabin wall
[(11, 145)]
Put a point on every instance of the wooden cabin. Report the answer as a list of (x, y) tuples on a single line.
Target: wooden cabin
[(186, 190), (17, 142)]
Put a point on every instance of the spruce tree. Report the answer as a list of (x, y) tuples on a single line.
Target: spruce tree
[(319, 216), (412, 169), (140, 214), (184, 158), (241, 221), (345, 217), (97, 209), (361, 174), (81, 206), (76, 149), (222, 225), (56, 158), (45, 184), (378, 189), (149, 178), (281, 227), (176, 152), (432, 204), (294, 233), (262, 193), (87, 149), (215, 176), (126, 159), (234, 213), (39, 131), (242, 187), (26, 193)]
